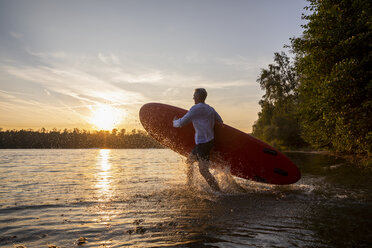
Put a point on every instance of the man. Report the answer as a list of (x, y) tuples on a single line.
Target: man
[(203, 118)]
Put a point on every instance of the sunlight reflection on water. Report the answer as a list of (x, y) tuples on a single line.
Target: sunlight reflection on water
[(104, 178)]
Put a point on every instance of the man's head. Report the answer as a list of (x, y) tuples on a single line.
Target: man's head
[(200, 95)]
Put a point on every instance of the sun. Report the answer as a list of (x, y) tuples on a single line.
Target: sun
[(106, 117)]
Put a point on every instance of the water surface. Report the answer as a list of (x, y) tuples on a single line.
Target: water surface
[(139, 198)]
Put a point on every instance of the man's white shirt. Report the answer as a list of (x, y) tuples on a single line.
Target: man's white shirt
[(203, 118)]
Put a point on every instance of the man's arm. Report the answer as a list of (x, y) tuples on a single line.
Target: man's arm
[(186, 119), (218, 117)]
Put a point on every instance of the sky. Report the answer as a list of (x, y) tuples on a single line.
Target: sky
[(92, 64)]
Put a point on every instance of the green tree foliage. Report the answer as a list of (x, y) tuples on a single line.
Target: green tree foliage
[(334, 61), (277, 122), (76, 139)]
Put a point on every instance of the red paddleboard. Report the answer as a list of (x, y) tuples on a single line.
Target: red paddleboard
[(246, 156)]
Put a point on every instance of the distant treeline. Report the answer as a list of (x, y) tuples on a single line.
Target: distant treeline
[(323, 97), (76, 138)]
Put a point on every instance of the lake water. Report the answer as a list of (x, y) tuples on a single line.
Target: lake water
[(139, 198)]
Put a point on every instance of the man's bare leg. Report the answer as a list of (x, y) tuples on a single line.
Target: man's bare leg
[(189, 161), (204, 170)]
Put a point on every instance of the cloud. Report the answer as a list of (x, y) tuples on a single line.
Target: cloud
[(195, 58), (77, 79), (226, 84), (47, 92), (6, 95), (16, 98), (74, 83), (49, 56), (240, 63), (171, 92), (190, 81), (22, 111), (126, 73), (118, 75), (109, 69), (109, 59), (16, 35)]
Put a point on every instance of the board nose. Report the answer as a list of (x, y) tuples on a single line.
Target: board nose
[(144, 115)]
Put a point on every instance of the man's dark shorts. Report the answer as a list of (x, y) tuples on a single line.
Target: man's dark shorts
[(202, 151)]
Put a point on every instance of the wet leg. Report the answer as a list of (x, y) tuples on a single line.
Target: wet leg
[(204, 170), (189, 163)]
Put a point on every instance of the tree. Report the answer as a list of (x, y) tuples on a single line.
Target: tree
[(279, 81), (334, 61), (75, 139), (277, 122)]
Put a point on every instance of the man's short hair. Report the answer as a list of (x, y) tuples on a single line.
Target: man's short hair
[(202, 93)]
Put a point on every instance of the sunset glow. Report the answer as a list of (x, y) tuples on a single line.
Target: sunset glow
[(58, 57), (106, 117)]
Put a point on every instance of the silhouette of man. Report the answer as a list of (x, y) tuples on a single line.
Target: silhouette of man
[(203, 118)]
